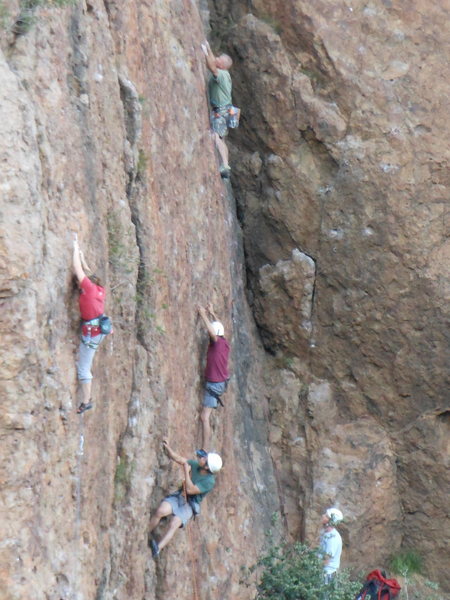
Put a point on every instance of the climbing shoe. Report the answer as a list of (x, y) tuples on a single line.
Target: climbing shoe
[(84, 407), (155, 548), (225, 172)]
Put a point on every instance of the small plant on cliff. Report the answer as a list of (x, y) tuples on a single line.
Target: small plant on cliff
[(295, 571), (273, 23), (22, 23), (121, 247), (141, 164), (4, 15), (406, 564), (122, 477), (288, 362), (55, 3)]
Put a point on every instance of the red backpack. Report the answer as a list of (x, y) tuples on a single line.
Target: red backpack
[(378, 587)]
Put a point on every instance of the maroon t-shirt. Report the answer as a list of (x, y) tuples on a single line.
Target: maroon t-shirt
[(92, 304), (217, 360)]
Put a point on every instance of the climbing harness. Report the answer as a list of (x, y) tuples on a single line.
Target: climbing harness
[(101, 321), (234, 114), (105, 325), (90, 344), (191, 500), (230, 113), (218, 396)]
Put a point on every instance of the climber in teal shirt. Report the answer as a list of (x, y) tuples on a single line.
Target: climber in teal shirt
[(199, 479)]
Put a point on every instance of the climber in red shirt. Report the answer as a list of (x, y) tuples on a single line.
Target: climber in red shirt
[(92, 303), (216, 371)]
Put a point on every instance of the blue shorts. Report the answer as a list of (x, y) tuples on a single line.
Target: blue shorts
[(209, 400)]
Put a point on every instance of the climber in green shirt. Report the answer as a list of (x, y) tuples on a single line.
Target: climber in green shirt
[(199, 479), (219, 88)]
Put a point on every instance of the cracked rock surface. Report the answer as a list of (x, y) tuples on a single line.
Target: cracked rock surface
[(328, 267), (343, 154)]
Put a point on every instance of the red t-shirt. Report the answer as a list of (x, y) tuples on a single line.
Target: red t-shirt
[(92, 304), (217, 360)]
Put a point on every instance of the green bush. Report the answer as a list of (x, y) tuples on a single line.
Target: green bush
[(406, 563), (295, 572)]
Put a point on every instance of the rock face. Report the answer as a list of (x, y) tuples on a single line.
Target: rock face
[(286, 298), (342, 154), (104, 131), (339, 169)]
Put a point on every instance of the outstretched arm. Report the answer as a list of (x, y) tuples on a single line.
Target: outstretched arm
[(190, 487), (210, 309), (84, 263), (173, 455), (206, 321), (209, 58), (77, 267)]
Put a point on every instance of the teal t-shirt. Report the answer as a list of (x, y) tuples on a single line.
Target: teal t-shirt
[(204, 481), (219, 88)]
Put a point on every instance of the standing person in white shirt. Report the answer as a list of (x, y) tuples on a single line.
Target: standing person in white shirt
[(331, 543)]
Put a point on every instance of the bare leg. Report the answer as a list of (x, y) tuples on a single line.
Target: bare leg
[(206, 427), (223, 150), (164, 510), (175, 523), (86, 387)]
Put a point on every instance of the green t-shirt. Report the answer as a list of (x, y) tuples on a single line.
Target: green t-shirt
[(204, 481), (219, 88)]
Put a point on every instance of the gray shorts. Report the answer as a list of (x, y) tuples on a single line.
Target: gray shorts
[(86, 352), (209, 400), (180, 508)]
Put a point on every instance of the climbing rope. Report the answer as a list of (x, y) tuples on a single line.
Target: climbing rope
[(191, 548)]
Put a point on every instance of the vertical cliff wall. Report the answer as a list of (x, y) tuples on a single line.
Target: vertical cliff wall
[(341, 172), (104, 131), (340, 175)]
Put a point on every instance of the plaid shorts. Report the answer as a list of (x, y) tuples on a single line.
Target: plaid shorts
[(219, 120)]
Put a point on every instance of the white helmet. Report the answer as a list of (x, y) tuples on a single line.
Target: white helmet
[(214, 462), (335, 516), (218, 328)]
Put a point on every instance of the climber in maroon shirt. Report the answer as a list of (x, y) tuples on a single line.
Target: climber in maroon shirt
[(216, 371)]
